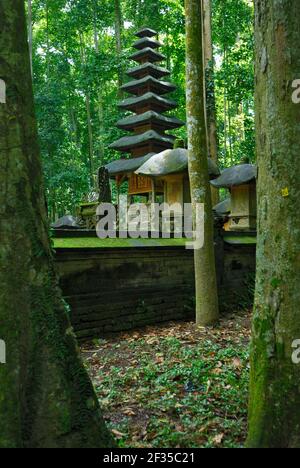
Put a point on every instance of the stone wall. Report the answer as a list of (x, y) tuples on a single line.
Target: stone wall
[(118, 289)]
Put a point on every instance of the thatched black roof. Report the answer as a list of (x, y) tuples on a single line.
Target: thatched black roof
[(146, 32), (148, 53), (129, 123), (171, 162), (126, 165), (147, 42), (163, 87), (148, 98), (223, 208), (150, 69), (130, 142), (66, 222), (236, 175)]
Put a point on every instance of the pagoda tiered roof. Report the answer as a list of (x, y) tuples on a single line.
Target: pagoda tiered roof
[(147, 42), (149, 125), (134, 121), (146, 32), (148, 84), (147, 55), (127, 165), (157, 103), (147, 69), (148, 138)]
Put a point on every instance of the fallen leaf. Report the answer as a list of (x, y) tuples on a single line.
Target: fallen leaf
[(237, 363), (129, 412), (218, 439), (118, 434)]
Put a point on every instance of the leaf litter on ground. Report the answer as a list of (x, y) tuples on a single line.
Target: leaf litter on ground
[(174, 385)]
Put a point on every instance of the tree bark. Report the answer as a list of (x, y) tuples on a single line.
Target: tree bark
[(88, 117), (29, 4), (118, 33), (46, 397), (210, 90), (274, 417), (99, 93), (207, 310)]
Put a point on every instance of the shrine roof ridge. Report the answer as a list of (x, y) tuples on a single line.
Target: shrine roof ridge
[(137, 140), (236, 175), (127, 165), (149, 53), (131, 102), (146, 32), (170, 122), (165, 85), (151, 68)]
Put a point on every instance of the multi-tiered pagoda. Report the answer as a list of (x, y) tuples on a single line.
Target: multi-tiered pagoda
[(148, 126)]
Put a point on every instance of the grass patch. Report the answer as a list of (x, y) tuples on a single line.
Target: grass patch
[(92, 243), (240, 240), (176, 385)]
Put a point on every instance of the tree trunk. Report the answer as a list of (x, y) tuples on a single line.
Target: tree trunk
[(206, 284), (99, 93), (210, 91), (88, 118), (118, 33), (46, 397), (30, 33), (91, 136), (274, 419)]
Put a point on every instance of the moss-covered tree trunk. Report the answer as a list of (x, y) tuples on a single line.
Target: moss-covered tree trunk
[(274, 419), (46, 397), (207, 310)]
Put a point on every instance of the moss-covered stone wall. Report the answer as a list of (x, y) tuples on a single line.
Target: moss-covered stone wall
[(111, 290)]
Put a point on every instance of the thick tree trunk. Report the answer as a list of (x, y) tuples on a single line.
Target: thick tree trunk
[(46, 397), (274, 419), (206, 285), (210, 90)]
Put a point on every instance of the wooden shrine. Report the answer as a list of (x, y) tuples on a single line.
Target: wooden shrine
[(241, 181)]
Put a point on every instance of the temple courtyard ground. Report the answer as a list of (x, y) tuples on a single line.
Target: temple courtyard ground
[(175, 385)]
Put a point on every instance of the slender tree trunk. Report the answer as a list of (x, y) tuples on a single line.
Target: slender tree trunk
[(30, 33), (91, 135), (225, 108), (95, 15), (274, 418), (230, 131), (73, 126), (99, 93), (210, 90), (169, 65), (101, 129), (118, 33), (46, 397), (88, 118), (47, 41), (206, 285)]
